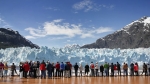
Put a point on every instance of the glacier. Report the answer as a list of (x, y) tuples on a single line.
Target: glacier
[(75, 54)]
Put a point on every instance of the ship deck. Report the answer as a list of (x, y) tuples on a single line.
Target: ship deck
[(78, 80)]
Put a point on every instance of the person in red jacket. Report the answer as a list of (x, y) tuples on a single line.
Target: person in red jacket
[(57, 66), (70, 68), (1, 69), (136, 69), (26, 68), (115, 69), (43, 69)]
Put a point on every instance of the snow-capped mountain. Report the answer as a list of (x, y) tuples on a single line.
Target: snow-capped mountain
[(10, 38), (134, 35)]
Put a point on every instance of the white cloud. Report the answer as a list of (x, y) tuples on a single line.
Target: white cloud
[(53, 8), (4, 24), (86, 35), (88, 5), (58, 38), (83, 5), (103, 30), (36, 32), (30, 37), (63, 30)]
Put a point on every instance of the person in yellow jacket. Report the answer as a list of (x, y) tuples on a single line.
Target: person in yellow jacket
[(5, 69)]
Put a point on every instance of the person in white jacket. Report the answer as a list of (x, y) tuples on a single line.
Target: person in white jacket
[(96, 69), (80, 68)]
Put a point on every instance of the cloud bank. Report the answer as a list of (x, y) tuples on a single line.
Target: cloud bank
[(66, 30)]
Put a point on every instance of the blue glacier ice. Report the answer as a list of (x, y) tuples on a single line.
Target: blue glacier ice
[(75, 54)]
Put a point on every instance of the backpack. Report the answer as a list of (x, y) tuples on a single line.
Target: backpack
[(92, 66)]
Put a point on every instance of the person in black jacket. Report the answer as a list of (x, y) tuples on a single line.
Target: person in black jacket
[(53, 67), (119, 69), (102, 69), (76, 69), (67, 70), (49, 69), (34, 67), (87, 69), (112, 69)]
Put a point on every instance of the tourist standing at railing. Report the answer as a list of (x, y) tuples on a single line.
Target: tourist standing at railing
[(34, 69), (119, 69), (43, 70), (101, 70), (62, 68), (112, 69), (21, 69), (30, 71), (1, 69), (57, 66), (53, 68), (92, 69), (96, 69), (67, 70), (5, 69), (76, 69), (13, 69), (26, 67), (86, 69), (125, 69), (38, 70), (80, 69), (148, 66), (70, 65), (144, 69), (106, 68), (132, 69), (49, 69), (136, 69), (115, 70)]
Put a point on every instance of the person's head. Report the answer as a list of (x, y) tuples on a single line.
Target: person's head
[(5, 63)]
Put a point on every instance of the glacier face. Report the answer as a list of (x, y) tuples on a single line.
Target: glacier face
[(22, 54)]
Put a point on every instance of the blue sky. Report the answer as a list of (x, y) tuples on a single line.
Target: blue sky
[(56, 23)]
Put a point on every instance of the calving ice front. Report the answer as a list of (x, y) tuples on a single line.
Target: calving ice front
[(75, 54)]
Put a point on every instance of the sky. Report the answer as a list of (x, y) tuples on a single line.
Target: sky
[(56, 23)]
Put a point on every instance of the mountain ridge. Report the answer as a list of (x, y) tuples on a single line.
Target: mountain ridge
[(10, 38), (134, 35)]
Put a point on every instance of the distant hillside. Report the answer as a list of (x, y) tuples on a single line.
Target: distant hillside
[(10, 38), (134, 35)]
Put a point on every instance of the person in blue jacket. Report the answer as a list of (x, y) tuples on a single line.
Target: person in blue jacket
[(62, 68)]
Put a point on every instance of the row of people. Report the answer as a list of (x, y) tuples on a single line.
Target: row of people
[(62, 69)]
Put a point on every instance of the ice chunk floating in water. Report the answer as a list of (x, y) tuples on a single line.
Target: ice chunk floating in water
[(17, 55)]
